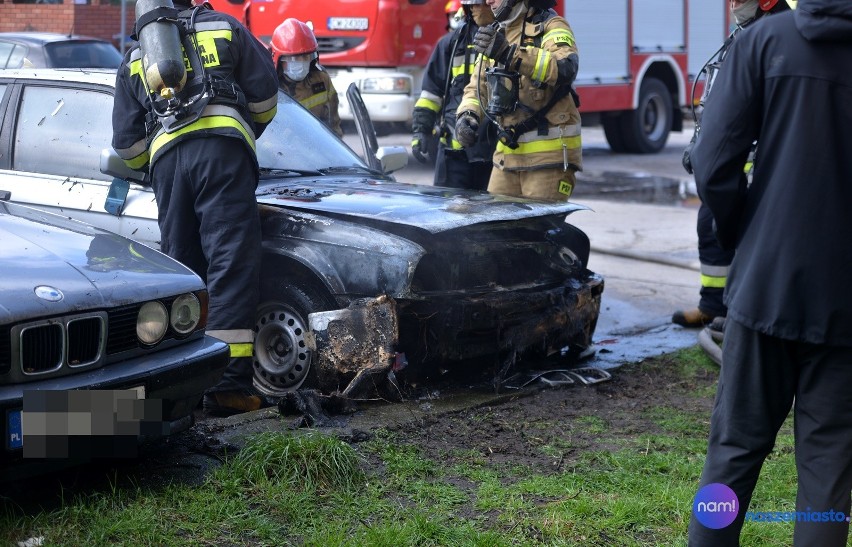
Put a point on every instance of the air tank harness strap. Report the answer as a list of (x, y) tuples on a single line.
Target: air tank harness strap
[(151, 16), (508, 135)]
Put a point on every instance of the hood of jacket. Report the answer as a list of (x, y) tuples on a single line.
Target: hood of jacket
[(825, 20)]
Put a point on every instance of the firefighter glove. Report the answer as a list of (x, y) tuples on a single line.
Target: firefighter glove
[(686, 160), (419, 147), (467, 128), (491, 42)]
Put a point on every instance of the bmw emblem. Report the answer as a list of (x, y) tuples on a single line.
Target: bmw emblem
[(50, 294)]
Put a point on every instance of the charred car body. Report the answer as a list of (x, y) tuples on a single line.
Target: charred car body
[(361, 273), (85, 309)]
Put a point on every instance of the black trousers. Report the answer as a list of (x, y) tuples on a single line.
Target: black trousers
[(209, 221), (710, 253), (761, 378), (454, 170)]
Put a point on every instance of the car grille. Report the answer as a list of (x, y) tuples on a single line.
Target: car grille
[(74, 341), (335, 44)]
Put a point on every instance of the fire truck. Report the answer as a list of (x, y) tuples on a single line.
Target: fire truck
[(638, 58), (382, 46)]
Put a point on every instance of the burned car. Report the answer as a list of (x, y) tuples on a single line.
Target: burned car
[(85, 311), (362, 274)]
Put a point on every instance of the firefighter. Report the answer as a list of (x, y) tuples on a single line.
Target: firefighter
[(294, 53), (713, 258), (199, 149), (522, 84), (447, 74)]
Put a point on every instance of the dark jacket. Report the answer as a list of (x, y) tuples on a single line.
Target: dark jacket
[(453, 58), (231, 55), (786, 83)]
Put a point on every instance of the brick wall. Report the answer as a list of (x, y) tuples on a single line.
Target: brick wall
[(99, 20)]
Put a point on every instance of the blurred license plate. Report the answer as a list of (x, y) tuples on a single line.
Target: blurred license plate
[(348, 23)]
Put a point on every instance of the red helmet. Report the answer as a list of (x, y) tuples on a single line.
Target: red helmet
[(452, 7), (292, 37)]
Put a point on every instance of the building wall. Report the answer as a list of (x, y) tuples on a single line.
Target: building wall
[(99, 20)]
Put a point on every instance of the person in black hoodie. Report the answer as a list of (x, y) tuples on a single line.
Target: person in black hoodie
[(788, 336)]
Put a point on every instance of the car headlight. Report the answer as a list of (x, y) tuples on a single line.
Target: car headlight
[(387, 84), (152, 322), (185, 313)]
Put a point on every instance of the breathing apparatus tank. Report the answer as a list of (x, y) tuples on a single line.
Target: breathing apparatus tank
[(160, 42)]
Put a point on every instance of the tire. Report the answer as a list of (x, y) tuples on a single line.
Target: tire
[(282, 360), (646, 129), (613, 133)]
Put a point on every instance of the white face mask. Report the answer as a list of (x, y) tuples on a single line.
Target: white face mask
[(744, 11), (297, 70)]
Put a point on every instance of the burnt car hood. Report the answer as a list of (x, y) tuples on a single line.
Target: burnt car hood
[(91, 268), (431, 208)]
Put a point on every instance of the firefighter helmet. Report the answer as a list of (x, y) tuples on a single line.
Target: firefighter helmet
[(293, 37), (451, 7), (472, 2), (767, 5)]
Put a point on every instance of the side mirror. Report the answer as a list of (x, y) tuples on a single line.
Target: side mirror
[(111, 164), (116, 198), (392, 158)]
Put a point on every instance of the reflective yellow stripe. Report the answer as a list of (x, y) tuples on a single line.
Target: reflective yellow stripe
[(541, 65), (241, 350), (548, 145), (264, 117), (315, 100), (748, 167), (210, 122), (426, 103), (559, 36), (138, 162), (713, 282), (136, 67)]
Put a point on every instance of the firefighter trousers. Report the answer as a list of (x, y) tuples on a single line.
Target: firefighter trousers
[(552, 183), (453, 169), (714, 265), (209, 221)]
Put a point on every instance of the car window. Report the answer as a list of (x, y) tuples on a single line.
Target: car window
[(295, 139), (11, 55), (73, 54), (78, 123)]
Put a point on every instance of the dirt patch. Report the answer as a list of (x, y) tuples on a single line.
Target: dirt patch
[(547, 429)]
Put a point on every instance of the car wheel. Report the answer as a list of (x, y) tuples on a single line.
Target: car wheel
[(646, 129), (282, 360)]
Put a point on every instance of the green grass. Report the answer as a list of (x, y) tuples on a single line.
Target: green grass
[(312, 489)]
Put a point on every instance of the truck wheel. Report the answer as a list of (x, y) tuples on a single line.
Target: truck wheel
[(613, 133), (282, 360), (646, 129)]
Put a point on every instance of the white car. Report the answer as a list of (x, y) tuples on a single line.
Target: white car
[(361, 274)]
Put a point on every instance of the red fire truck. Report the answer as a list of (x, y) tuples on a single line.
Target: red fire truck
[(638, 58)]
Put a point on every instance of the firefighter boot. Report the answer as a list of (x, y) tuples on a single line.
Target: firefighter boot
[(228, 403), (691, 319)]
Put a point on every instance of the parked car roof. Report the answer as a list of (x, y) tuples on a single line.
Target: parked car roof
[(48, 49)]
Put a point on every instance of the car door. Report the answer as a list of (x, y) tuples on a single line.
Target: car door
[(56, 138)]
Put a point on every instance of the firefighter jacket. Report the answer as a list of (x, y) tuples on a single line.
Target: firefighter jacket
[(447, 75), (317, 94), (546, 59), (233, 59), (785, 85)]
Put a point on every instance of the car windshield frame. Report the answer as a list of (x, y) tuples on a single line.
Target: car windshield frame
[(286, 146)]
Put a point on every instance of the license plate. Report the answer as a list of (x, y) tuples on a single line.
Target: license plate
[(348, 23), (15, 429)]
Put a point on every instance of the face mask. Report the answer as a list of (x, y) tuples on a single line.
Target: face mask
[(297, 70), (744, 11), (455, 22)]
